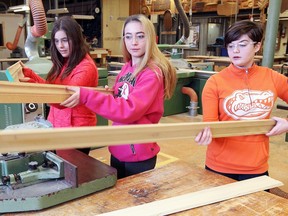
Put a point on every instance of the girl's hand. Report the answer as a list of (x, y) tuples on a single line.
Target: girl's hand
[(74, 99), (25, 79), (280, 127), (204, 137)]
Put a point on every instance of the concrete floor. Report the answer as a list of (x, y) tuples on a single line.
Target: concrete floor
[(187, 150)]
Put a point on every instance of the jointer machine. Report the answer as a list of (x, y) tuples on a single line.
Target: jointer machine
[(38, 180)]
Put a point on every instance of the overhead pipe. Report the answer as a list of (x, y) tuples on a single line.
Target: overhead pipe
[(38, 13), (271, 35), (37, 30), (185, 21)]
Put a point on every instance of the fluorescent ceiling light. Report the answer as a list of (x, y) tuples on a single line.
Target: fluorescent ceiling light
[(58, 11), (86, 17), (19, 8)]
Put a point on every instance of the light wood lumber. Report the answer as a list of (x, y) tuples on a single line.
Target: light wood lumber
[(198, 71), (227, 8), (17, 92), (63, 138), (15, 71), (199, 198)]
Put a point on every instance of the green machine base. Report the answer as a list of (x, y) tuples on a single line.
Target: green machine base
[(178, 103), (83, 175)]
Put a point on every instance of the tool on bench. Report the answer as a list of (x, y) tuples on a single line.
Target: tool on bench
[(36, 180)]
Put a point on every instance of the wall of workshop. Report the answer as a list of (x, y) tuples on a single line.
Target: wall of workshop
[(91, 28), (114, 14)]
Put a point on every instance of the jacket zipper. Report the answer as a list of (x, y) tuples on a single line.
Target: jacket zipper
[(247, 83), (132, 149)]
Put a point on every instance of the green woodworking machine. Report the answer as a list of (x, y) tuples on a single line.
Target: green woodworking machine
[(38, 180)]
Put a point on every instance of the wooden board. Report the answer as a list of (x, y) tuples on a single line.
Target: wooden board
[(36, 93), (174, 179), (62, 138), (199, 198), (227, 8), (15, 72)]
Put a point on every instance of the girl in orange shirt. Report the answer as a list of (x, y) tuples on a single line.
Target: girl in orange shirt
[(242, 91)]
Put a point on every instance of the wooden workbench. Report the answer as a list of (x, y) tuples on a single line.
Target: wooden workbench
[(170, 180), (11, 60), (221, 62), (100, 53), (277, 58)]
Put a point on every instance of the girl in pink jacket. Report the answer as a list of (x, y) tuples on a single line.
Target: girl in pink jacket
[(144, 82), (72, 66)]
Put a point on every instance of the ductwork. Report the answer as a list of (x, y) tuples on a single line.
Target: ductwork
[(193, 100), (39, 18), (37, 30), (185, 21), (13, 46)]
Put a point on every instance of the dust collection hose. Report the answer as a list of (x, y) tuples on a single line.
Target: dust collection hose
[(13, 46), (37, 30), (193, 100), (39, 18), (184, 20)]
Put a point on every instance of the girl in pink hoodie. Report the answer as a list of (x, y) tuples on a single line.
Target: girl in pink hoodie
[(144, 82)]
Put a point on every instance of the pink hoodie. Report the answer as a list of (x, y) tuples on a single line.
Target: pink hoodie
[(135, 101)]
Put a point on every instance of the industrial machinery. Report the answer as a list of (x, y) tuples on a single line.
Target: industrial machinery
[(187, 94), (38, 180)]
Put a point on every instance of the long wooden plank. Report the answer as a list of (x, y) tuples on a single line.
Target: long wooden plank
[(199, 198), (17, 92), (62, 138)]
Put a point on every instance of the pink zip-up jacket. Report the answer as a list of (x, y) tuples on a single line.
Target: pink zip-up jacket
[(135, 101), (84, 74)]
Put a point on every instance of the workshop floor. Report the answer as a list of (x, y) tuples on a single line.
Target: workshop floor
[(187, 150)]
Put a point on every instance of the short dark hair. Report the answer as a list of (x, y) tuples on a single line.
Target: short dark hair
[(236, 30)]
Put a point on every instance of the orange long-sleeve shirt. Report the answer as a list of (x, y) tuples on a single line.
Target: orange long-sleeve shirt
[(241, 94)]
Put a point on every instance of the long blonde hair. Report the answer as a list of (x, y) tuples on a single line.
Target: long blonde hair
[(153, 57)]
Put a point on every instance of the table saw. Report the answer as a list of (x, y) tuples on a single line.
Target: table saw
[(38, 180)]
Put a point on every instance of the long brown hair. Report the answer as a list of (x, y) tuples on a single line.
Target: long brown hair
[(77, 45), (153, 57)]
